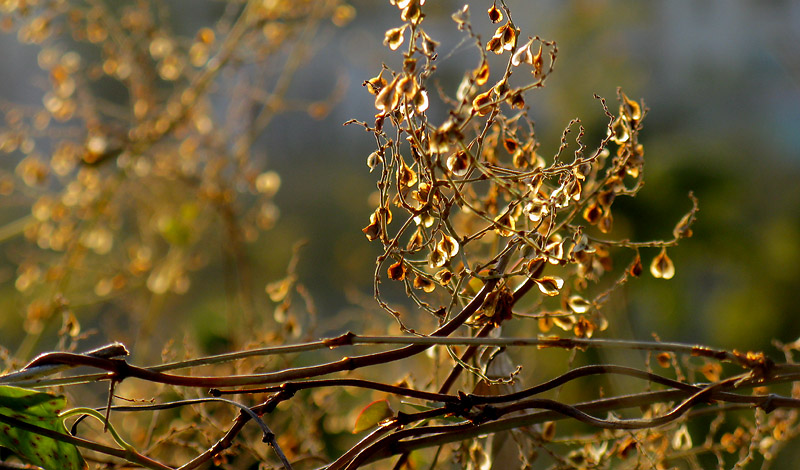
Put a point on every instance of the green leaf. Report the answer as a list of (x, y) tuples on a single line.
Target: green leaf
[(373, 414), (40, 409)]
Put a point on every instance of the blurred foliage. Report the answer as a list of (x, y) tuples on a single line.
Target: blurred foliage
[(140, 174)]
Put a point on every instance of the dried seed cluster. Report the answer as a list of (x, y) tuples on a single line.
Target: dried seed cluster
[(472, 183)]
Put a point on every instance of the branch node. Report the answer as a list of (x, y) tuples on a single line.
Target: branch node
[(341, 340)]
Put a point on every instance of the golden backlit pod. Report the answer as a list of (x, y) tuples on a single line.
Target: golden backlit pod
[(711, 371), (412, 12), (582, 170), (424, 219), (397, 271), (458, 163), (438, 142), (461, 17), (606, 198), (416, 240), (619, 132), (606, 222), (482, 73), (516, 100), (410, 65), (436, 259), (554, 249), (563, 321), (373, 230), (428, 44), (388, 98), (573, 189), (504, 39), (635, 269), (278, 290), (510, 144), (407, 86), (443, 276), (550, 286), (583, 328), (662, 266), (420, 101), (424, 284), (394, 37), (548, 431), (448, 245), (545, 323), (538, 64), (406, 177), (683, 228), (592, 213), (523, 54), (508, 36), (495, 15), (373, 160), (375, 84), (501, 88), (630, 109), (495, 45), (505, 224), (664, 359), (578, 304), (682, 440), (536, 210), (422, 193), (482, 104)]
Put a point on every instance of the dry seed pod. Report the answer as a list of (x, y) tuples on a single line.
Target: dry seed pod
[(397, 271), (424, 284), (458, 163), (482, 74), (549, 285), (482, 103), (495, 15), (394, 37), (523, 54), (662, 266)]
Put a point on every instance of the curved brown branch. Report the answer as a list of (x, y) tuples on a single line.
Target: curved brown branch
[(430, 436)]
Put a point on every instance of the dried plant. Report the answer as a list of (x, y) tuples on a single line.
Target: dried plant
[(489, 235)]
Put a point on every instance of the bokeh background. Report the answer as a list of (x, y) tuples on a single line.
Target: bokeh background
[(721, 79)]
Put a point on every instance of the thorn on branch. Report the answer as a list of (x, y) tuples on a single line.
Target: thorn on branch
[(342, 340), (768, 405)]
